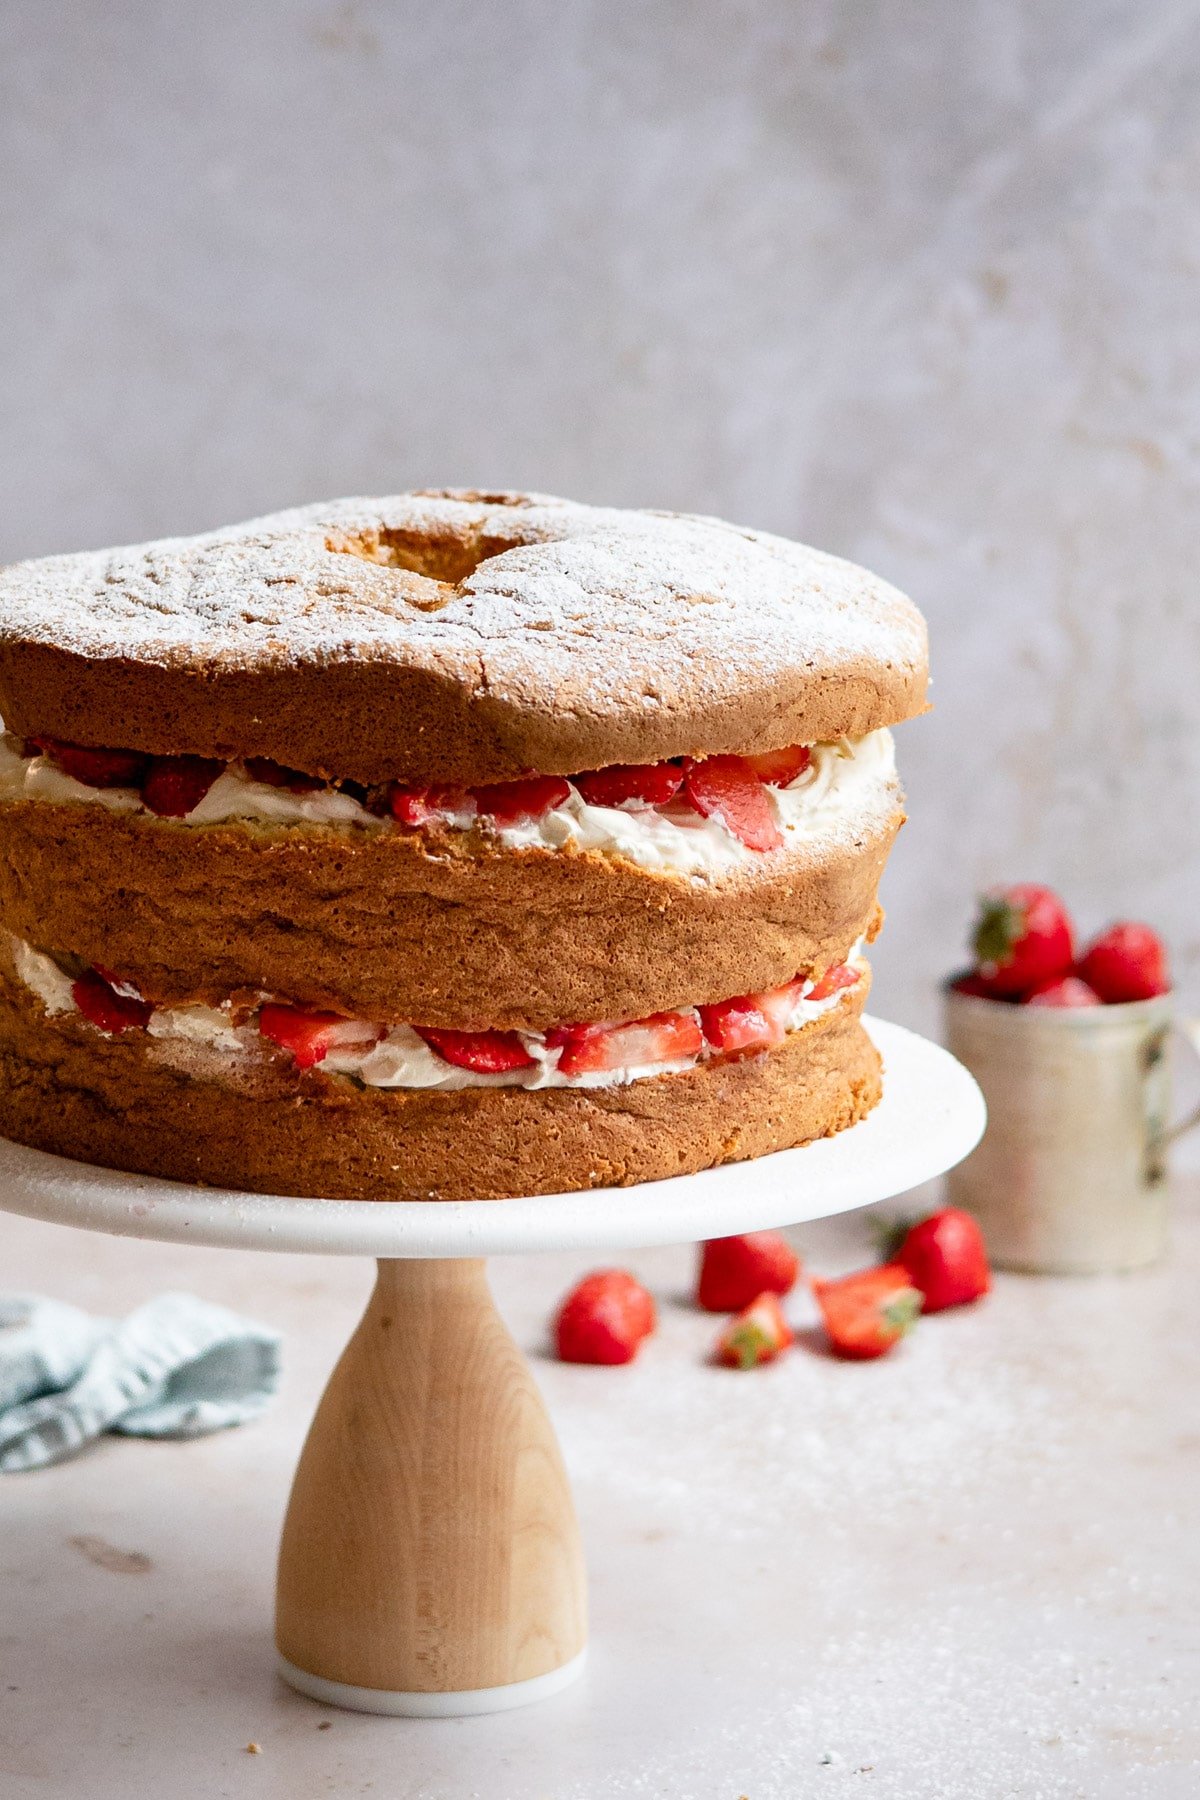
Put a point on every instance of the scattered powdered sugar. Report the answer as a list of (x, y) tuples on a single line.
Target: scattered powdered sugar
[(592, 608)]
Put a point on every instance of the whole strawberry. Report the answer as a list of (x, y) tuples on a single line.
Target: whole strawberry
[(735, 1270), (945, 1258), (1023, 938), (1126, 962), (604, 1319)]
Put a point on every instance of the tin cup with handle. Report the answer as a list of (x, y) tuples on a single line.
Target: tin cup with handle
[(1070, 1178)]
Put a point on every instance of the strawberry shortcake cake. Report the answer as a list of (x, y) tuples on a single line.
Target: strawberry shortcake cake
[(447, 846)]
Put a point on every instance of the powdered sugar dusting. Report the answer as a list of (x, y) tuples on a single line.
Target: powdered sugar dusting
[(593, 606)]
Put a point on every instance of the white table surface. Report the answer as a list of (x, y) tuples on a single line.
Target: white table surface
[(971, 1571)]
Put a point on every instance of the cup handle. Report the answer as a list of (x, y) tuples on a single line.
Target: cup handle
[(1189, 1030)]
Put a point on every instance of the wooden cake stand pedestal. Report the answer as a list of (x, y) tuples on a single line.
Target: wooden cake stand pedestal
[(430, 1562)]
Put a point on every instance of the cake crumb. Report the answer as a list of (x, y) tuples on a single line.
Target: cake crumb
[(253, 1749)]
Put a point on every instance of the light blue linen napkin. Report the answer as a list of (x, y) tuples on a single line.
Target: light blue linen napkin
[(177, 1367)]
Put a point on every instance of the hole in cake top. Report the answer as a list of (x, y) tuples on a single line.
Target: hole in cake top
[(443, 559)]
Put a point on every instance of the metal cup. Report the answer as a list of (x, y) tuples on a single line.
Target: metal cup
[(1070, 1176)]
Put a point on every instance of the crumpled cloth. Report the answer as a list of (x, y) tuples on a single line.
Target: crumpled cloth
[(178, 1367)]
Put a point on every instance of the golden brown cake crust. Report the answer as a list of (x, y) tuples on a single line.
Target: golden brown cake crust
[(118, 1102), (459, 638), (401, 928)]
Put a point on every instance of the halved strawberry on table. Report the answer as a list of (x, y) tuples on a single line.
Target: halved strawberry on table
[(483, 1052), (175, 785), (756, 1335), (869, 1311), (726, 788), (626, 784), (310, 1035), (590, 1049), (94, 768)]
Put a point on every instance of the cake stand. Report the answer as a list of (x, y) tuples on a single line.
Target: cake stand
[(430, 1561)]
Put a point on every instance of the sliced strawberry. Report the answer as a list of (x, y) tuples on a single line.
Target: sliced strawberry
[(841, 975), (663, 1037), (778, 1005), (647, 784), (95, 768), (100, 1003), (508, 802), (778, 767), (869, 1311), (735, 1027), (310, 1036), (946, 1258), (486, 1052), (261, 768), (726, 788), (735, 1270), (756, 1335), (415, 806), (177, 784), (604, 1319)]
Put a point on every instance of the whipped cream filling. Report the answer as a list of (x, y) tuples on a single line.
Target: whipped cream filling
[(400, 1058), (844, 784)]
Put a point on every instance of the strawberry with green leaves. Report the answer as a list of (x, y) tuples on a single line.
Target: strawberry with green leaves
[(755, 1335), (1023, 938), (868, 1312)]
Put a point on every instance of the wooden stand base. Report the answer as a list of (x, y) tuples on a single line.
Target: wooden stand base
[(430, 1547)]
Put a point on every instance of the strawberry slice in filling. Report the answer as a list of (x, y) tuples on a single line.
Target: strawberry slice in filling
[(841, 975), (510, 802), (176, 785), (778, 767), (415, 806), (625, 784), (726, 788), (310, 1036), (592, 1049), (484, 1052), (94, 768), (113, 1007)]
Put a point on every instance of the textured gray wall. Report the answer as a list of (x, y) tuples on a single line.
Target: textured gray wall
[(915, 281)]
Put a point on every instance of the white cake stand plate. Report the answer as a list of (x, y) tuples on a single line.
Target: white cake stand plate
[(430, 1561)]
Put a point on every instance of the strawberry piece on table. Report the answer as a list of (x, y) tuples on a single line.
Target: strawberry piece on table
[(869, 1311), (509, 802), (946, 1258), (95, 768), (261, 768), (309, 1036), (645, 784), (726, 788), (100, 1003), (778, 767), (1068, 990), (1126, 962), (841, 975), (604, 1319), (1023, 938), (590, 1049), (736, 1270), (175, 785), (418, 805), (755, 1336), (486, 1052)]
